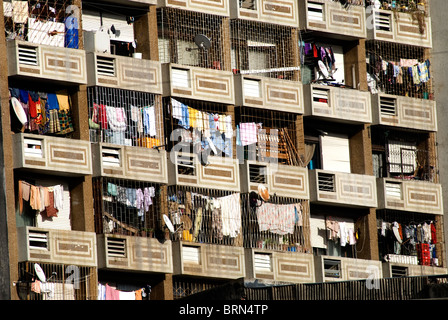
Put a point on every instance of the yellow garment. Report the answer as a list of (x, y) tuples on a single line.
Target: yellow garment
[(63, 100)]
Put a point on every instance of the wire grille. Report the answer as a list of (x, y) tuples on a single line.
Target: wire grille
[(120, 210), (50, 22), (177, 31), (260, 47), (403, 155), (277, 139), (141, 122), (63, 282), (196, 125), (399, 70)]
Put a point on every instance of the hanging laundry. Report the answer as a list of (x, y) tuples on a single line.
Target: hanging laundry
[(149, 121), (248, 133), (276, 218)]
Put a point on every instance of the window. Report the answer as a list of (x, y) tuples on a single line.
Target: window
[(335, 153)]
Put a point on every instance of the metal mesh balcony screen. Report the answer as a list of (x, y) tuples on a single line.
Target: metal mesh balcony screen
[(125, 117), (177, 31), (63, 282), (403, 155), (199, 215), (126, 207), (194, 126), (398, 69), (50, 22), (277, 137), (274, 238), (264, 49)]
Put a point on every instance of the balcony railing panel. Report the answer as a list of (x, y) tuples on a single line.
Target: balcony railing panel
[(286, 95), (134, 253), (52, 154), (411, 28), (44, 61), (273, 11), (337, 103), (124, 72), (57, 246), (404, 112), (343, 188), (411, 196), (279, 266), (331, 17)]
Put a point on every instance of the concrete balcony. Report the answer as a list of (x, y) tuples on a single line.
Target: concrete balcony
[(198, 83), (404, 112), (208, 260), (31, 60), (218, 7), (271, 11), (221, 173), (120, 72), (134, 254), (52, 155), (266, 93), (136, 163), (282, 180), (410, 195), (398, 27), (336, 103), (399, 269), (279, 266), (330, 269), (342, 189), (57, 246), (332, 19)]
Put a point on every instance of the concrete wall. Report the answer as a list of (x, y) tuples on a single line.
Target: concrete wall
[(440, 77)]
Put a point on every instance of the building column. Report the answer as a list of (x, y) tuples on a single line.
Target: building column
[(8, 232)]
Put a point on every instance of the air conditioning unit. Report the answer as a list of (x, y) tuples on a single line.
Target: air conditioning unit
[(96, 41)]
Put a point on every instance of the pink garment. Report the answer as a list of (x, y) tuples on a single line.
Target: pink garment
[(276, 218), (248, 133), (111, 293)]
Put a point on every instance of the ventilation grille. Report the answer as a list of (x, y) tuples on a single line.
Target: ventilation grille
[(28, 55), (399, 271), (388, 106), (262, 262), (111, 157), (393, 190), (116, 247), (316, 11), (332, 268), (38, 240), (383, 21), (191, 254), (321, 95), (105, 66), (32, 148), (186, 165), (326, 182), (257, 174)]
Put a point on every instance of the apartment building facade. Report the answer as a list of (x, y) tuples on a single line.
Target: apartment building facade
[(156, 148)]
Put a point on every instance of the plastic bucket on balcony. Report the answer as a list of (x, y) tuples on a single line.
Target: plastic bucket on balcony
[(137, 55)]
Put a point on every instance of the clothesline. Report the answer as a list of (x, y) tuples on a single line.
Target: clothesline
[(48, 200)]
